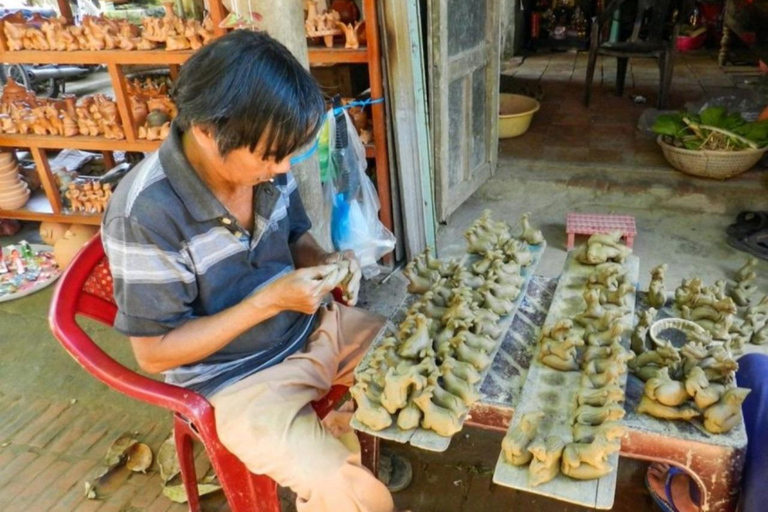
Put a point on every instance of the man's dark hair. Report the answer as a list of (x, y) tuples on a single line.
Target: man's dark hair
[(246, 86)]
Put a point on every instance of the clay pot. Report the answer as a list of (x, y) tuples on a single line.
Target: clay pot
[(13, 190), (14, 201), (13, 92), (71, 242), (51, 232), (347, 9), (157, 118), (9, 170), (7, 158)]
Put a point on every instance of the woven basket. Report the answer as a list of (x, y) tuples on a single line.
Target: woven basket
[(687, 327), (711, 164)]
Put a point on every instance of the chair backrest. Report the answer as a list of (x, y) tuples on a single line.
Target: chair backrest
[(85, 288), (659, 10)]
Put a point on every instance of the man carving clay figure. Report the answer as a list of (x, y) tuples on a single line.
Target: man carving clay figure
[(219, 284)]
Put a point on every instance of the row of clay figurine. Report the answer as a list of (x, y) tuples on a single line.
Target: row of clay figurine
[(100, 33), (88, 197), (595, 427), (428, 374), (94, 115)]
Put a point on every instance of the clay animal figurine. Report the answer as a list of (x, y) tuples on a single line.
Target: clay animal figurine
[(486, 323), (558, 331), (515, 444), (546, 459), (445, 398), (657, 292), (482, 266), (518, 251), (618, 296), (688, 292), (600, 397), (609, 377), (666, 391), (653, 408), (419, 341), (719, 364), (610, 430), (619, 359), (458, 386), (607, 275), (398, 386), (665, 355), (419, 284), (590, 415), (530, 235), (369, 413), (612, 335), (443, 421), (409, 417), (725, 414), (640, 333), (464, 371), (745, 271), (561, 355), (602, 248), (476, 342), (703, 392), (744, 290), (588, 461), (759, 312), (477, 358), (498, 305), (594, 310), (603, 352)]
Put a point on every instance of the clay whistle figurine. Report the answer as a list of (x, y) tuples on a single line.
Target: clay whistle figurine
[(610, 430), (500, 306), (604, 352), (653, 408), (477, 358), (744, 290), (609, 377), (640, 333), (602, 248), (593, 311), (725, 414), (546, 459), (398, 385), (369, 413), (600, 397), (409, 417), (419, 284), (744, 272), (486, 323), (443, 421), (590, 415), (703, 392), (518, 252), (666, 391), (515, 444), (588, 461), (445, 398), (607, 275), (609, 337), (530, 235), (417, 344), (476, 342), (618, 296), (561, 355), (657, 292), (619, 359)]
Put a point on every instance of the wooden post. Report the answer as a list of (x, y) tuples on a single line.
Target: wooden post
[(46, 178), (284, 20), (66, 11), (121, 97)]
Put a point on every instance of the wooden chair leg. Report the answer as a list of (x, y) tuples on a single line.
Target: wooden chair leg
[(621, 74), (666, 70), (590, 77)]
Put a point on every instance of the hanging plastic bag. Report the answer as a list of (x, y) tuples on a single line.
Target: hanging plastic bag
[(355, 223)]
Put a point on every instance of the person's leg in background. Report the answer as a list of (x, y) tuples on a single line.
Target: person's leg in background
[(753, 374)]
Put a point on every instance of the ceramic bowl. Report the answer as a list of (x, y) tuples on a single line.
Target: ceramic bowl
[(15, 202), (9, 169), (6, 159), (15, 188), (9, 181)]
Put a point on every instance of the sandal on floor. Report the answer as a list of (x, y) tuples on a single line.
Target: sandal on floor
[(666, 503), (747, 222), (755, 244)]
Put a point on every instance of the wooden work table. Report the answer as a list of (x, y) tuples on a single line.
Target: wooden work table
[(714, 461)]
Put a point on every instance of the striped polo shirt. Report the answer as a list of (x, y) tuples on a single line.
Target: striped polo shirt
[(176, 253)]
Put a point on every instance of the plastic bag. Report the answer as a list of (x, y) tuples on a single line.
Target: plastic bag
[(355, 223)]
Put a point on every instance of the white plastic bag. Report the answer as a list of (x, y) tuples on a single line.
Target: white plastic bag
[(355, 223)]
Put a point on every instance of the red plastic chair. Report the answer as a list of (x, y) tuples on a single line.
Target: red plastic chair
[(85, 289)]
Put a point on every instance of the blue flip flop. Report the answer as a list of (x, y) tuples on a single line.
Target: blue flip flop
[(668, 504)]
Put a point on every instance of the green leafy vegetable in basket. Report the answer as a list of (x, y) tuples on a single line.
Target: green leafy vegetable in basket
[(714, 129)]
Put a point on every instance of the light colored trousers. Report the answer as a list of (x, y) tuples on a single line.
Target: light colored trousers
[(266, 419)]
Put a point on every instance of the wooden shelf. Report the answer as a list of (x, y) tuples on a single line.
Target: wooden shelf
[(160, 57), (78, 142), (319, 55), (39, 208)]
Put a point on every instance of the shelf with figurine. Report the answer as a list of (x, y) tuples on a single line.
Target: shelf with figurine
[(336, 35)]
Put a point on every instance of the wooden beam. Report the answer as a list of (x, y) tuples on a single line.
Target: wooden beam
[(47, 179)]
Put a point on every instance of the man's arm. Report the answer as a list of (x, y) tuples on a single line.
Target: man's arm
[(302, 291), (307, 252)]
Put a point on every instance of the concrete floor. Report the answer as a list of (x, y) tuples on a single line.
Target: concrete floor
[(49, 445)]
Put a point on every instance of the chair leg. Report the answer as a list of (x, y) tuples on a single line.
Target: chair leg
[(621, 74), (245, 491), (590, 77), (185, 452), (666, 69)]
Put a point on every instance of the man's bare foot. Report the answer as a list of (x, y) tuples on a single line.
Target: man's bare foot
[(683, 499)]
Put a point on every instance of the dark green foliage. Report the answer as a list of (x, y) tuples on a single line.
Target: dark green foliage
[(693, 131)]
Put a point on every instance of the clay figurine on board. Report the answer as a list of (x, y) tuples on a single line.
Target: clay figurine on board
[(546, 459), (369, 413), (725, 414), (561, 355), (745, 271), (607, 275), (657, 292), (603, 352), (458, 386), (443, 421), (591, 415), (477, 358), (617, 296), (619, 359), (609, 337), (703, 392), (601, 248), (419, 284), (398, 386), (689, 292), (666, 391), (600, 397), (653, 408), (589, 461), (640, 333), (444, 398), (530, 235), (610, 430), (609, 377), (593, 310), (743, 292), (514, 446)]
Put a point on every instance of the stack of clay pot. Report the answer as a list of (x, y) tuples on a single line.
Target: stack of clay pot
[(14, 192)]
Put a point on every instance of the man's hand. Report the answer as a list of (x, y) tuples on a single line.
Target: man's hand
[(302, 290), (351, 284)]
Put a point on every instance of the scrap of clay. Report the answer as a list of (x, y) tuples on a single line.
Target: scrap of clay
[(546, 459), (725, 414), (515, 443)]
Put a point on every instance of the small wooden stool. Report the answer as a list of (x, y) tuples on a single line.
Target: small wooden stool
[(591, 223)]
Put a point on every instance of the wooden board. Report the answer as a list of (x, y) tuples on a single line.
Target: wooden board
[(427, 439), (557, 390)]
